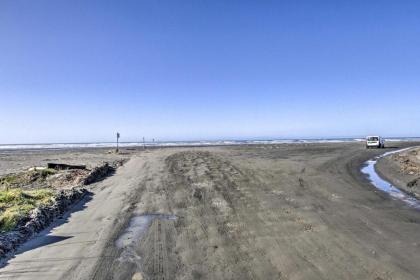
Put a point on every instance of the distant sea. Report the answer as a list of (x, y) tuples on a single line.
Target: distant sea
[(56, 146)]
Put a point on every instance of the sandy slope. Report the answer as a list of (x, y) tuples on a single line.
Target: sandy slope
[(402, 170), (249, 212)]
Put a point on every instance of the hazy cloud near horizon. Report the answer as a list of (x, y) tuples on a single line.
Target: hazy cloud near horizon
[(80, 71)]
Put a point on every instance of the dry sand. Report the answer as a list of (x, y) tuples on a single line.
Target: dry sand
[(246, 212), (18, 160)]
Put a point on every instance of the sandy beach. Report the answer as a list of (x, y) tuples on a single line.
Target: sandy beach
[(288, 211), (189, 140)]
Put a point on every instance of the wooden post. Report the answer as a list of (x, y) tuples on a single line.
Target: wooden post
[(118, 137)]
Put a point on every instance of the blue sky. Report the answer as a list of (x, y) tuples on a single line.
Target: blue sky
[(77, 71)]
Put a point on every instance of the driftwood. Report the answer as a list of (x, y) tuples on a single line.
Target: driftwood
[(62, 166)]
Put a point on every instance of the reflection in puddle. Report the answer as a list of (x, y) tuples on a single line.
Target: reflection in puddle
[(138, 226), (130, 239), (385, 186)]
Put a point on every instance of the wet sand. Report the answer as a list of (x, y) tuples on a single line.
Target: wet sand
[(284, 211)]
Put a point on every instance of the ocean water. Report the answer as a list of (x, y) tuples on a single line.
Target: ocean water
[(184, 143)]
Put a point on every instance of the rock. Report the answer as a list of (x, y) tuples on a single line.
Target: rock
[(414, 183)]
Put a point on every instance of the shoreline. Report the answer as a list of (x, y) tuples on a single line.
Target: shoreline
[(192, 143)]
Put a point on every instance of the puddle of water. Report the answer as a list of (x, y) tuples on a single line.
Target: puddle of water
[(132, 235), (138, 226), (379, 183)]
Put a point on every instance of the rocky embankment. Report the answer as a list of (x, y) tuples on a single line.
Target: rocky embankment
[(40, 218), (70, 189)]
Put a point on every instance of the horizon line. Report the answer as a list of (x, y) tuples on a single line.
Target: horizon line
[(215, 140)]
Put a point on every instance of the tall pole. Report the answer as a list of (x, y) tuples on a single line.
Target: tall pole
[(118, 136), (144, 143)]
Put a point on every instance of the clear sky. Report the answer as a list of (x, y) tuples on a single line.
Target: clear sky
[(77, 71)]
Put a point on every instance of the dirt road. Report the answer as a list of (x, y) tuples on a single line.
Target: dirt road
[(246, 212)]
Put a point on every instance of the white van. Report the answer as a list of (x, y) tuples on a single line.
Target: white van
[(375, 142)]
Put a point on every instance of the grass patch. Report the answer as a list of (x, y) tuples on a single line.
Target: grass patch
[(9, 179), (46, 172), (15, 204), (26, 178)]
